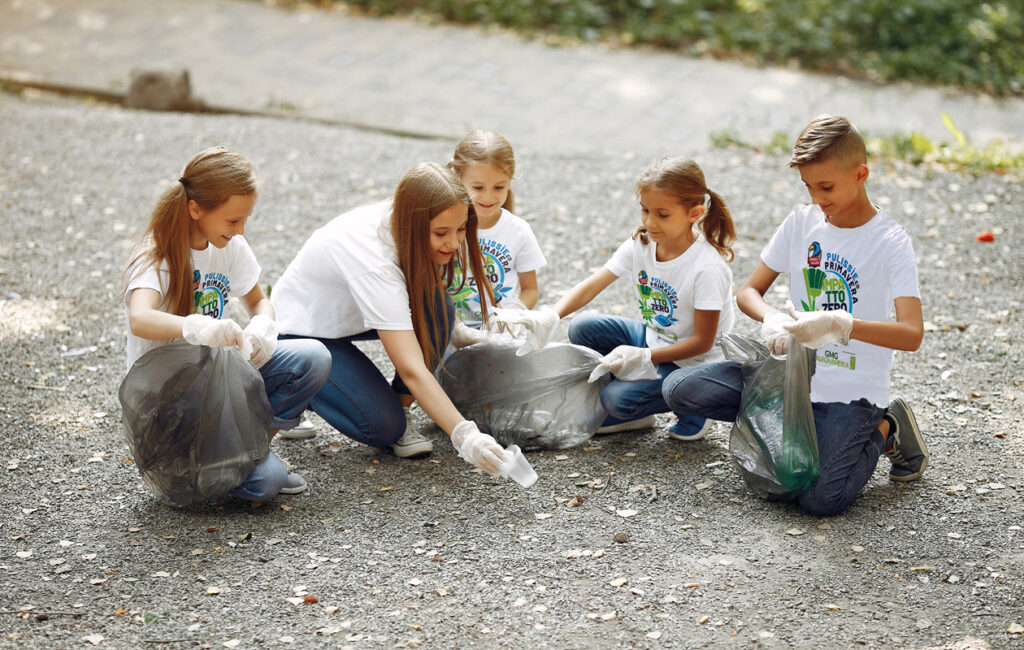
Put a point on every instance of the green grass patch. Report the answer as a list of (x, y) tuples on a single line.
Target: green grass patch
[(969, 43), (997, 156)]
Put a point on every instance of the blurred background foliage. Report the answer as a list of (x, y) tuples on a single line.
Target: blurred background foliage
[(967, 43)]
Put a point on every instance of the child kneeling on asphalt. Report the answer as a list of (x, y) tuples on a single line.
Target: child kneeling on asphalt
[(850, 264)]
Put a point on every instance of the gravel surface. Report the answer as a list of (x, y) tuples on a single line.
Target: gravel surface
[(631, 540)]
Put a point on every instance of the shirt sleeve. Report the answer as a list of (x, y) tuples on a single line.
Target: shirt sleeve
[(383, 300), (712, 287), (903, 268), (621, 261), (529, 257), (245, 270), (776, 254)]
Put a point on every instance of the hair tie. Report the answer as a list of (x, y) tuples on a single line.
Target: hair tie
[(183, 181)]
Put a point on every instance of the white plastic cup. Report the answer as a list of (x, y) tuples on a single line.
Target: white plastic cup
[(517, 468)]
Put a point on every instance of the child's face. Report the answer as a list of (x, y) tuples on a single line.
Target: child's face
[(668, 221), (447, 232), (834, 185), (488, 188), (219, 225)]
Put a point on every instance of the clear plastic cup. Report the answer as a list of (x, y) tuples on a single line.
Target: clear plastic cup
[(517, 468)]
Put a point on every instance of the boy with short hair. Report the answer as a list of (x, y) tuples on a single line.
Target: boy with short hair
[(850, 264)]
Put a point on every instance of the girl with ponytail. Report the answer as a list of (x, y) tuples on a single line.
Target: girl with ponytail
[(676, 261)]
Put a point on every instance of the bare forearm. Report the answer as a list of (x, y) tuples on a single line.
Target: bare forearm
[(433, 400), (529, 297), (895, 336), (155, 325), (685, 349)]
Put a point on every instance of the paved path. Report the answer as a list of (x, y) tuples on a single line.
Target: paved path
[(444, 80)]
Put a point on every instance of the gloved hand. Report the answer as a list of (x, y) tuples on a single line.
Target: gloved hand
[(626, 362), (477, 447), (463, 335), (773, 333), (539, 323), (816, 329), (213, 332), (261, 332)]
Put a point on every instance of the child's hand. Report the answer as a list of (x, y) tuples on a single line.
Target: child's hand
[(774, 333), (477, 447), (212, 332), (261, 332), (626, 362), (540, 323), (463, 335), (816, 329)]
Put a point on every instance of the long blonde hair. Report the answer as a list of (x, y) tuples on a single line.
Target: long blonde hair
[(212, 177), (486, 148), (427, 190), (682, 178)]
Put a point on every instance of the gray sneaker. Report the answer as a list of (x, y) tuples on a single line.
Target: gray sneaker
[(905, 446), (302, 431), (412, 444), (294, 484)]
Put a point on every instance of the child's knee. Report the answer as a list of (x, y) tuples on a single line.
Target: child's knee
[(580, 327)]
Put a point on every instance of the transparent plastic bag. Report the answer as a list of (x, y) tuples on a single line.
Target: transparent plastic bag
[(196, 420), (541, 400), (773, 440)]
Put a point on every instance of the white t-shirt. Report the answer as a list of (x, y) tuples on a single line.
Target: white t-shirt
[(669, 292), (509, 248), (218, 273), (859, 270), (345, 279)]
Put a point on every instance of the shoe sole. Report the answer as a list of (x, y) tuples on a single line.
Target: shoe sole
[(413, 451), (700, 435), (632, 425), (298, 490), (924, 446), (293, 434)]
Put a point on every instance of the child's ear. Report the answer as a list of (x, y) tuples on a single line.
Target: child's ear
[(194, 211), (696, 212), (862, 173)]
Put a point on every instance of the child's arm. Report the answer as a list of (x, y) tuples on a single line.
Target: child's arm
[(905, 334), (528, 291), (257, 303), (705, 327), (750, 298), (147, 321), (584, 292)]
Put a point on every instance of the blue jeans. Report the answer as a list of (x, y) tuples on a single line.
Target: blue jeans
[(357, 400), (625, 400), (849, 442), (292, 376)]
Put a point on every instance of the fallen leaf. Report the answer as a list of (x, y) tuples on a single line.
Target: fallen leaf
[(94, 639), (233, 643), (654, 635), (310, 598), (986, 237), (1015, 628), (625, 514), (610, 616), (794, 532), (618, 582), (542, 515)]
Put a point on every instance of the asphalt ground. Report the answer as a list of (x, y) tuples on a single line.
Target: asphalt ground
[(429, 553)]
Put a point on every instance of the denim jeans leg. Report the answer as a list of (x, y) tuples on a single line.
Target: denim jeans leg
[(603, 333), (711, 390), (849, 445), (292, 376), (356, 399), (264, 481)]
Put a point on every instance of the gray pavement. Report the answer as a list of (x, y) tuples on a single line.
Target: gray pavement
[(444, 80)]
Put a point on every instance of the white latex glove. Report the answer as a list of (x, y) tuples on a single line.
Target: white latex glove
[(261, 333), (463, 335), (816, 329), (212, 332), (477, 447), (539, 323), (626, 362), (774, 334)]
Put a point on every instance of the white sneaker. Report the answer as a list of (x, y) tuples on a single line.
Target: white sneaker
[(412, 443), (631, 425), (294, 484), (674, 433), (302, 431)]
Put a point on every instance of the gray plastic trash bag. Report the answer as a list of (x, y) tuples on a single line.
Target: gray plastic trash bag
[(196, 420), (541, 400), (773, 440)]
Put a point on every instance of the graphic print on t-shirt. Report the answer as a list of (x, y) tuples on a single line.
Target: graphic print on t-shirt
[(834, 281), (497, 262), (657, 302), (831, 283), (210, 293)]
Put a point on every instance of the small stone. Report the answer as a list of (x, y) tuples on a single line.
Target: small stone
[(621, 538)]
